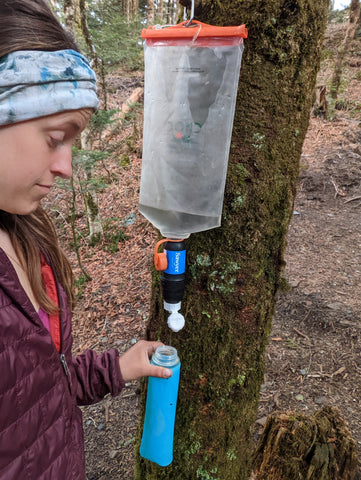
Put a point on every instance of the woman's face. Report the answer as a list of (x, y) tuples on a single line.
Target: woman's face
[(32, 154)]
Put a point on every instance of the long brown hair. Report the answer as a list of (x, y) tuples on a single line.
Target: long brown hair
[(31, 25), (34, 235)]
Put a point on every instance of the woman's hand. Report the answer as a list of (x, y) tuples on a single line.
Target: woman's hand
[(135, 362)]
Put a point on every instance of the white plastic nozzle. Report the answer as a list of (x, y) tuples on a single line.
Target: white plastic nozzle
[(176, 321), (172, 307)]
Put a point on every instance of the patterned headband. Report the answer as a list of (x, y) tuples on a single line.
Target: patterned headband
[(37, 83)]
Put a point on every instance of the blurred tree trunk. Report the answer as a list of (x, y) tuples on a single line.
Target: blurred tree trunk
[(86, 33), (170, 14), (53, 5), (127, 9), (150, 12), (90, 195), (69, 13), (97, 61), (341, 53), (234, 271), (160, 10), (135, 7)]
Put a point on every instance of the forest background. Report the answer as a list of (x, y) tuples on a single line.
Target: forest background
[(113, 260)]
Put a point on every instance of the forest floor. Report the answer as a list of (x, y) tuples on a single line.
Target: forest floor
[(314, 352)]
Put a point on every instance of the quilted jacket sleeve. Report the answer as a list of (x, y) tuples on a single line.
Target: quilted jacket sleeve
[(97, 375)]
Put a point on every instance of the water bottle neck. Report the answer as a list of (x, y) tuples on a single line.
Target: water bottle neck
[(165, 356)]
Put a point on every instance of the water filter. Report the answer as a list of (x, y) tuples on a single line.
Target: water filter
[(160, 409), (173, 283)]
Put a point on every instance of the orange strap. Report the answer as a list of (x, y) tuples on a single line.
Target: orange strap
[(51, 290), (160, 258)]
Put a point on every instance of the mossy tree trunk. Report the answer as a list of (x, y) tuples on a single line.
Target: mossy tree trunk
[(235, 271), (355, 9)]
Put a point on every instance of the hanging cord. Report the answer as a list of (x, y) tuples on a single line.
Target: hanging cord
[(199, 25), (188, 24)]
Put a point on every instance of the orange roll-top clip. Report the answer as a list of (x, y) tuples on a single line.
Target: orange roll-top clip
[(160, 258)]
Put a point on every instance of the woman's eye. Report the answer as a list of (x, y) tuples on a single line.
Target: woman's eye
[(55, 142)]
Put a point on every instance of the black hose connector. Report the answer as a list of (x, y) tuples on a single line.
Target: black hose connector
[(173, 278)]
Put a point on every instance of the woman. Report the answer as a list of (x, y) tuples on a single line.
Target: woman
[(47, 96)]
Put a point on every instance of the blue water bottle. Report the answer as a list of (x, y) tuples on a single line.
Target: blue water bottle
[(160, 409)]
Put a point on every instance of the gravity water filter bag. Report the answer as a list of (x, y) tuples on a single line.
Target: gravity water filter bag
[(191, 79)]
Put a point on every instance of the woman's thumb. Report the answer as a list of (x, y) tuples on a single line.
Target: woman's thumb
[(159, 372)]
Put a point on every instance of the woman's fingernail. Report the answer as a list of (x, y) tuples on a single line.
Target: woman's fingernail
[(167, 373)]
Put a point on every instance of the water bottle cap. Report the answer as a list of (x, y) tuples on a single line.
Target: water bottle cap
[(176, 321), (165, 356)]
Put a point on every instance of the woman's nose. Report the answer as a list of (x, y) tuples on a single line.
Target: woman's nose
[(61, 165)]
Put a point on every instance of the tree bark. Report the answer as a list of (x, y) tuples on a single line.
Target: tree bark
[(234, 271)]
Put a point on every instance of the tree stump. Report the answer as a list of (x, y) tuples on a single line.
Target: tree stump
[(295, 446)]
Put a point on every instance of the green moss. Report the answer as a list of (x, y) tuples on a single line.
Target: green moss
[(231, 455), (204, 475), (237, 381)]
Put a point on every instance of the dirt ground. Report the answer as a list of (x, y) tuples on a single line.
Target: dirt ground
[(313, 357)]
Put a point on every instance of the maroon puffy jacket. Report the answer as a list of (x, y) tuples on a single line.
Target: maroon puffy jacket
[(41, 430)]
